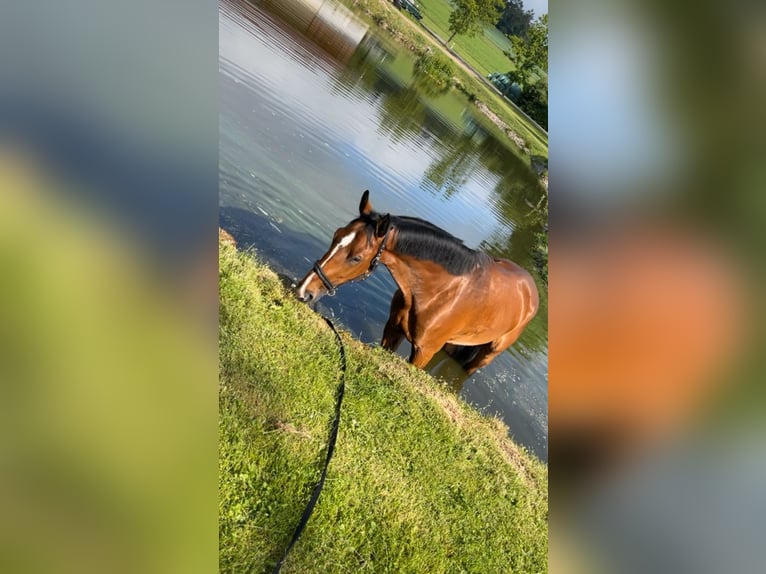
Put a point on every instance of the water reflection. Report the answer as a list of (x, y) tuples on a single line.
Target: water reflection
[(424, 81), (402, 103), (452, 170), (328, 23)]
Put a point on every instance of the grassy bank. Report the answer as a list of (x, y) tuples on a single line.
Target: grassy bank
[(401, 27), (420, 482)]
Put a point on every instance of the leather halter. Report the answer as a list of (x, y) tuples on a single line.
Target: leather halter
[(323, 278), (374, 262)]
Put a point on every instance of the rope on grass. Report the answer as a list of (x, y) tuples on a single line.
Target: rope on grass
[(330, 449)]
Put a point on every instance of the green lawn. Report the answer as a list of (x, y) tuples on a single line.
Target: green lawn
[(420, 482), (498, 38), (484, 52)]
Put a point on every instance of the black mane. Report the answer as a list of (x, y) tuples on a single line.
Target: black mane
[(424, 240)]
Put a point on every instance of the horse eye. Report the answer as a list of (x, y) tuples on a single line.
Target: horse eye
[(356, 259)]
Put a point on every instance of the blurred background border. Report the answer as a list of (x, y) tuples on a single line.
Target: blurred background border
[(108, 227)]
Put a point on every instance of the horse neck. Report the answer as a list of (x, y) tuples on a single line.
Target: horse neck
[(403, 275), (408, 274)]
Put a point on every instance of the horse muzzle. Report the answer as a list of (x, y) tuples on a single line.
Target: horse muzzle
[(310, 291), (307, 296), (304, 294)]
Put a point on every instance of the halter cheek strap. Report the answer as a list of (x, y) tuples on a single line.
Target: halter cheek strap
[(374, 262)]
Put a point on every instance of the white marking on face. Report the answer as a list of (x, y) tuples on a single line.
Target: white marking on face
[(344, 242), (302, 288)]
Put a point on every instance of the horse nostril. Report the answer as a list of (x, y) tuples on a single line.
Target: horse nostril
[(305, 298)]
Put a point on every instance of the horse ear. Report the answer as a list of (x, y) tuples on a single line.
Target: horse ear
[(382, 225), (365, 207)]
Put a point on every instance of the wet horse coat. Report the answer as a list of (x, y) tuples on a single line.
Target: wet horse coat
[(448, 294)]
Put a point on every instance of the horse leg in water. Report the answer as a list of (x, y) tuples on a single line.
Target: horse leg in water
[(491, 350), (393, 332), (422, 354)]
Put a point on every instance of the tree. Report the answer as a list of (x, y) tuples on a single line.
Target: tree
[(514, 21), (530, 53), (534, 101), (468, 16)]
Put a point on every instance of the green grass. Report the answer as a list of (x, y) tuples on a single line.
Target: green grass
[(484, 51), (420, 482), (499, 39)]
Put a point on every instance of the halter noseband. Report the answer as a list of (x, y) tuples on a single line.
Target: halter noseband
[(374, 262), (323, 278)]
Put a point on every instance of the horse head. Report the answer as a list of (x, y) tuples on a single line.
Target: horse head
[(354, 253)]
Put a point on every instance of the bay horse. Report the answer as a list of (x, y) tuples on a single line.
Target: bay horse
[(449, 295)]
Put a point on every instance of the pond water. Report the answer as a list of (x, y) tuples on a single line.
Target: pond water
[(306, 127)]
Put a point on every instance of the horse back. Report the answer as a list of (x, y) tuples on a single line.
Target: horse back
[(499, 299)]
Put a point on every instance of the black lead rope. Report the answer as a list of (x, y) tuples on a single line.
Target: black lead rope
[(330, 448), (338, 401)]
